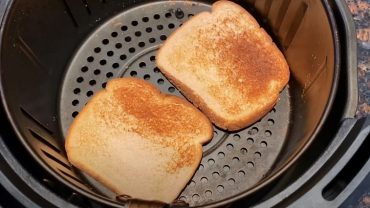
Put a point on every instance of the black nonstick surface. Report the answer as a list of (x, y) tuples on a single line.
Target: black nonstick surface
[(234, 164)]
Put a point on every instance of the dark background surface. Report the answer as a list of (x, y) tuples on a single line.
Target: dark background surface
[(360, 10)]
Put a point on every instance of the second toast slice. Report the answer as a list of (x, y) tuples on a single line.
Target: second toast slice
[(226, 64)]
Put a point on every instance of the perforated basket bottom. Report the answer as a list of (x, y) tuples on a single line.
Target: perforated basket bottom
[(126, 46)]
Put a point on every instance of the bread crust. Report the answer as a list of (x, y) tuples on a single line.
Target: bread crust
[(173, 146), (263, 71)]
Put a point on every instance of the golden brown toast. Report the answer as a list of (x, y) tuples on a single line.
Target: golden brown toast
[(137, 141), (226, 64)]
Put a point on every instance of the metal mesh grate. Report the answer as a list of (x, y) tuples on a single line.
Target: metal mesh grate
[(126, 46)]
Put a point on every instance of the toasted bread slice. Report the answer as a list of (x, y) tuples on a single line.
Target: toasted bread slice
[(137, 141), (226, 64)]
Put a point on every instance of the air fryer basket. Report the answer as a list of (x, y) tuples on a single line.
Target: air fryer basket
[(60, 54)]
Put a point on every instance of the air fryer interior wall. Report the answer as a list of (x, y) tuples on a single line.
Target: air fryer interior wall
[(40, 39)]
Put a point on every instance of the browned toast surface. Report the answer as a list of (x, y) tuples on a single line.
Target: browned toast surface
[(137, 141), (226, 64)]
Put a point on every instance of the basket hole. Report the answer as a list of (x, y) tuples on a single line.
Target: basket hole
[(74, 114), (118, 45), (109, 75), (92, 82), (147, 77), (105, 41), (204, 180), (122, 57), (134, 23), (156, 70), (104, 85), (220, 188), (114, 34), (231, 181), (226, 168), (141, 44), (215, 133), (133, 73), (236, 137), (168, 15), (96, 71), (157, 16), (145, 19), (160, 81), (163, 37), (124, 28), (97, 50), (192, 183), (90, 59), (208, 193), (241, 173), (215, 174), (230, 147), (268, 133), (52, 157), (201, 167), (80, 79), (211, 162), (110, 53), (171, 26), (250, 140), (115, 65), (131, 50), (84, 69), (151, 40), (142, 64), (75, 102), (235, 160), (253, 131), (77, 91), (89, 93), (221, 155), (148, 29), (103, 62), (137, 33), (250, 164), (152, 58), (160, 27), (179, 14), (243, 151), (195, 197), (171, 89), (273, 110), (128, 39), (44, 141), (263, 144), (190, 15), (270, 122), (257, 154)]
